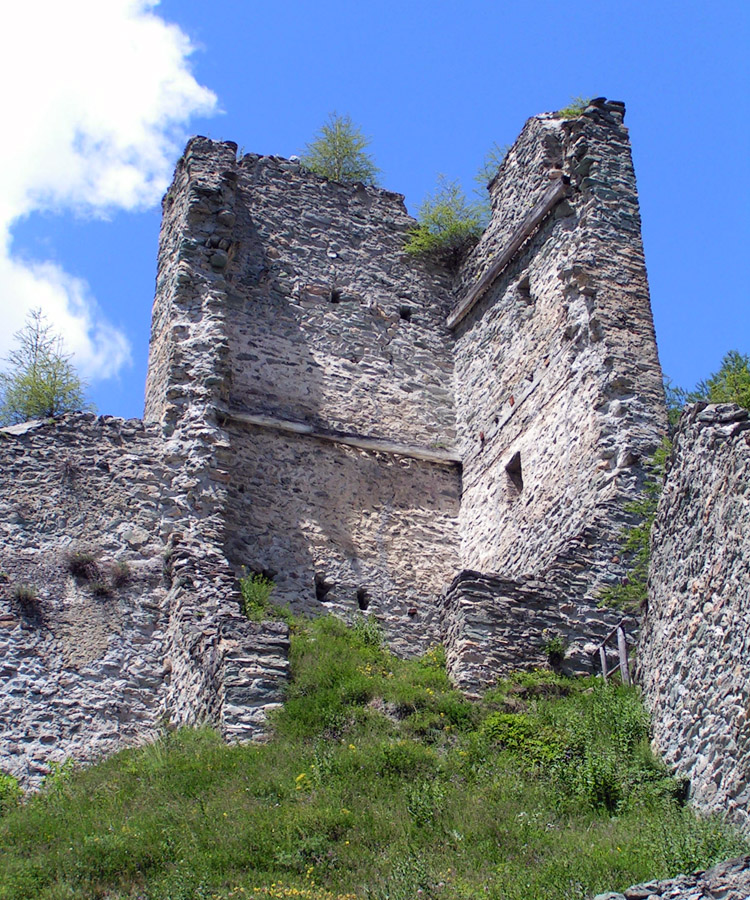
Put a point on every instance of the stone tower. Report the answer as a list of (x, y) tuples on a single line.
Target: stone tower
[(389, 423), (452, 452)]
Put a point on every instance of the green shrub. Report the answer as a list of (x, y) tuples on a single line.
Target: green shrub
[(256, 593), (632, 592), (554, 647), (433, 657), (523, 736), (368, 631), (10, 793), (448, 226), (574, 109)]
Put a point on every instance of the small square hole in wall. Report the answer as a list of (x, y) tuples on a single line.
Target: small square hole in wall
[(335, 296), (524, 289), (363, 599), (515, 476), (322, 588), (405, 313)]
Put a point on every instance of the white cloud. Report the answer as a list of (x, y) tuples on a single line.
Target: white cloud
[(101, 92)]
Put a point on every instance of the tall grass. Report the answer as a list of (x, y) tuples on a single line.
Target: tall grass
[(381, 782)]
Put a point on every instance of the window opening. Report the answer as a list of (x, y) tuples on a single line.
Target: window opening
[(515, 476), (322, 588)]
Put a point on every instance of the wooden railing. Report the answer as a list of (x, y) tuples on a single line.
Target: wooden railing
[(618, 633)]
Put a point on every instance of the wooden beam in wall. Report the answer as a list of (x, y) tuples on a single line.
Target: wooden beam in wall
[(552, 196), (362, 442)]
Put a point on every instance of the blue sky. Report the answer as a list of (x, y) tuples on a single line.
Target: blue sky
[(111, 92)]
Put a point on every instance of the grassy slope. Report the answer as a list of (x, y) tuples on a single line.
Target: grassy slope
[(381, 782)]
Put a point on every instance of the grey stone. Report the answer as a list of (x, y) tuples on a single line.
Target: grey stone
[(693, 654)]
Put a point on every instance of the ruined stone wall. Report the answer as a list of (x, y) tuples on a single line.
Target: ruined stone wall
[(187, 382), (151, 634), (558, 385), (728, 880), (323, 337), (694, 653), (332, 326), (312, 358), (341, 529), (82, 671), (493, 626), (330, 322)]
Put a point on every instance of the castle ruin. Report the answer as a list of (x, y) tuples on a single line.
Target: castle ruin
[(451, 452)]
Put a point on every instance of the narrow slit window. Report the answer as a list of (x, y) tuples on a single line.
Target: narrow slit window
[(515, 476)]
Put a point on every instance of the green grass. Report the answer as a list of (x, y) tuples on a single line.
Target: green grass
[(381, 782)]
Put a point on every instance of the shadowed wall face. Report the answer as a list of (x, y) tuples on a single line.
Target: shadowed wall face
[(323, 323), (331, 326)]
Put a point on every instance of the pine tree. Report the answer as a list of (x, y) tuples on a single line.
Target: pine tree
[(448, 225), (731, 384), (338, 152), (40, 380)]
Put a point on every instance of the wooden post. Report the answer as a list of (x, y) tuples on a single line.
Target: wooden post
[(603, 659), (622, 649)]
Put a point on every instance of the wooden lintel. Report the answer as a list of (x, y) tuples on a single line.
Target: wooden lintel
[(362, 442), (549, 200)]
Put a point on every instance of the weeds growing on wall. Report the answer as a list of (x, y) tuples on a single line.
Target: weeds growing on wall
[(256, 590), (381, 782), (574, 109), (27, 601), (83, 564), (555, 647), (632, 592)]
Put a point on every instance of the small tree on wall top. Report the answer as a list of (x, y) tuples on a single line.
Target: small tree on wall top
[(40, 380), (730, 384), (448, 226), (338, 152)]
